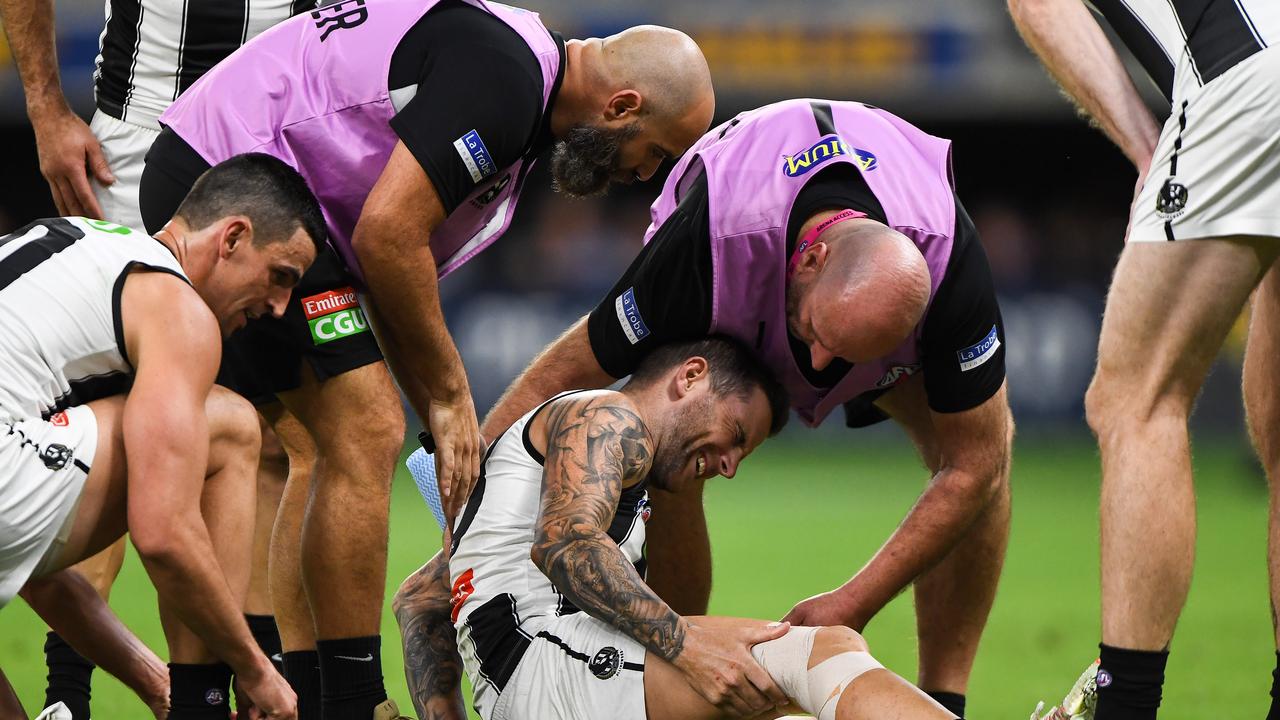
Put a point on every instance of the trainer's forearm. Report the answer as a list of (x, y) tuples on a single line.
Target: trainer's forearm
[(29, 26), (10, 707), (400, 363), (569, 363), (401, 274), (70, 605), (1071, 44), (940, 517), (592, 573), (432, 665)]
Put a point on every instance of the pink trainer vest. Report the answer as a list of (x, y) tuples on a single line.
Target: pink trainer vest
[(756, 164), (313, 92)]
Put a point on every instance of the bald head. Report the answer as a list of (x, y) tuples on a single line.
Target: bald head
[(858, 292), (666, 67)]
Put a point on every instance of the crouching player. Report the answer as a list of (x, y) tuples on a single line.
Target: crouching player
[(110, 422), (552, 615)]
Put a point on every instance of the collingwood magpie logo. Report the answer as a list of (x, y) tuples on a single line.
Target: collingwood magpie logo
[(606, 663), (1172, 199), (494, 190)]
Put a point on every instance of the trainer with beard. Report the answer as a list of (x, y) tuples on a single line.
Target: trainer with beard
[(416, 124)]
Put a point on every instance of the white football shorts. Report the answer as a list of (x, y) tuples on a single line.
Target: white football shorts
[(43, 467), (1216, 169), (125, 147)]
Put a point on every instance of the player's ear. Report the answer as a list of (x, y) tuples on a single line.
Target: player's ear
[(813, 259), (237, 232), (622, 105), (692, 372)]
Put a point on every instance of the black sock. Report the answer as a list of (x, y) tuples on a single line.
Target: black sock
[(199, 692), (1129, 683), (264, 631), (351, 677), (1274, 713), (302, 670), (69, 674), (953, 702)]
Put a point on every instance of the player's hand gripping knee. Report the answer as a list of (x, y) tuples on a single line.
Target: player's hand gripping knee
[(269, 693), (458, 447), (68, 152), (828, 608), (719, 665)]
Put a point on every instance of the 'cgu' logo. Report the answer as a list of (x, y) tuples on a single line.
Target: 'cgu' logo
[(828, 147)]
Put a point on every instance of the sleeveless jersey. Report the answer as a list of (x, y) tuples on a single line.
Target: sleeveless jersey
[(313, 92), (496, 586), (1183, 44), (61, 333), (755, 165)]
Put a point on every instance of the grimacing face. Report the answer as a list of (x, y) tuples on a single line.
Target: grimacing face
[(252, 280), (710, 436)]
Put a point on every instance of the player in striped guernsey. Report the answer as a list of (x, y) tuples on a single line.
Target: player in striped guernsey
[(553, 617), (109, 421), (1204, 233), (150, 51)]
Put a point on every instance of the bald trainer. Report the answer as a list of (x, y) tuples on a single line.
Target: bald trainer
[(415, 122), (828, 237)]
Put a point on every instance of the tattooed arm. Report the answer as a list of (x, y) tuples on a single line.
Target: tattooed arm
[(597, 444), (432, 665)]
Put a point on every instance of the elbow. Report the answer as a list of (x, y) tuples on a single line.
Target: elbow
[(156, 543)]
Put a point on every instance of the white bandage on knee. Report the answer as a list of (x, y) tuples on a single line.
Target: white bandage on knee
[(816, 689), (829, 678)]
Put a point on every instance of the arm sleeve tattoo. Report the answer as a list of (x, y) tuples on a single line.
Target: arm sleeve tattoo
[(595, 445), (432, 666)]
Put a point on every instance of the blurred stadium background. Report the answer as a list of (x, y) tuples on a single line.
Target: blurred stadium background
[(1050, 197)]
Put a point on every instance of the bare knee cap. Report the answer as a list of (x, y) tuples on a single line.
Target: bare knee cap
[(817, 689), (232, 418)]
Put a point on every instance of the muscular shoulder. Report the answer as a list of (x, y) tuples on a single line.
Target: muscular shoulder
[(162, 315), (601, 431)]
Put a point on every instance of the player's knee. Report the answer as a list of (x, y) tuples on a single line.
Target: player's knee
[(833, 640), (813, 666), (232, 421), (365, 443)]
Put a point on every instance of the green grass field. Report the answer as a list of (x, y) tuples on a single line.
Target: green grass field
[(801, 517)]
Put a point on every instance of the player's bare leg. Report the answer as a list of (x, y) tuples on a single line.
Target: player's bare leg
[(678, 549), (874, 692), (357, 424), (1262, 404), (227, 505), (1168, 312), (69, 672), (288, 597)]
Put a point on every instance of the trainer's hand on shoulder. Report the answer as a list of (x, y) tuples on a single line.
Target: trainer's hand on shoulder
[(458, 448), (828, 608), (720, 667), (269, 693), (68, 154)]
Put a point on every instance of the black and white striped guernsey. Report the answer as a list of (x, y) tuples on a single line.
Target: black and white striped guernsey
[(497, 588), (152, 50), (1183, 44), (61, 331)]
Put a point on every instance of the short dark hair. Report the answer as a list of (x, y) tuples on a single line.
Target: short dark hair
[(734, 371), (264, 189)]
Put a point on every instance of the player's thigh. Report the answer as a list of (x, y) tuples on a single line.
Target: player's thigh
[(1169, 309), (353, 415), (667, 692)]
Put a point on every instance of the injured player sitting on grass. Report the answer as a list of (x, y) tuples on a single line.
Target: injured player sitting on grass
[(544, 584)]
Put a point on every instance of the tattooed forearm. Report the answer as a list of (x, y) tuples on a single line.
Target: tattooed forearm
[(432, 666), (595, 446)]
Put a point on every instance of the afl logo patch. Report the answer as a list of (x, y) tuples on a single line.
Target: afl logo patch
[(1104, 678), (214, 696), (494, 190), (606, 663)]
